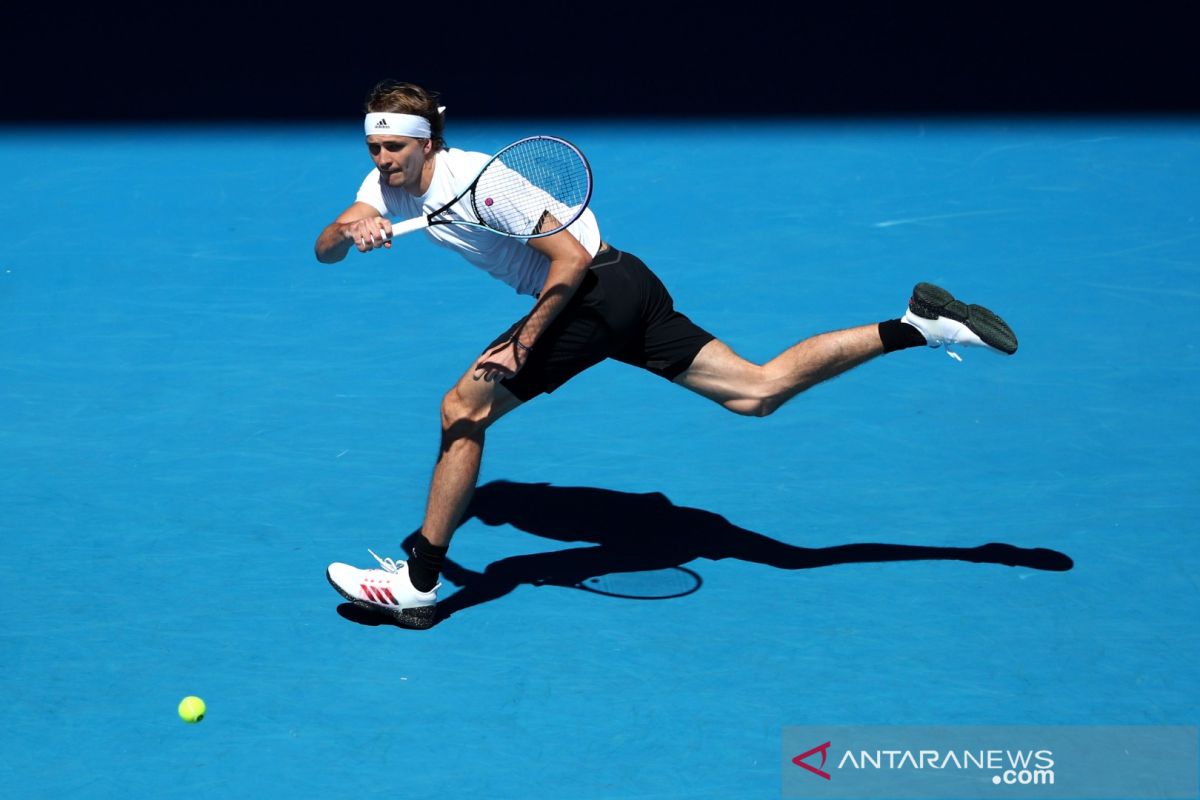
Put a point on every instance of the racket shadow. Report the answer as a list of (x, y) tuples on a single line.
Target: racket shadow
[(627, 534)]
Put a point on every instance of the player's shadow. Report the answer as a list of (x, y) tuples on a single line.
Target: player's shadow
[(629, 533)]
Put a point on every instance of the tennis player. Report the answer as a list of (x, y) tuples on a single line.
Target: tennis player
[(593, 301)]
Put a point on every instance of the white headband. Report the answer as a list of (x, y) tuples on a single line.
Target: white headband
[(398, 124)]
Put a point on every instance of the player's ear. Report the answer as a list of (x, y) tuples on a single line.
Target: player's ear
[(427, 148)]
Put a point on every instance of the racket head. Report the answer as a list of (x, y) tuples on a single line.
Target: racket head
[(534, 187)]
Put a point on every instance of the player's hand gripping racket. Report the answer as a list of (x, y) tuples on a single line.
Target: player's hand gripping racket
[(534, 187)]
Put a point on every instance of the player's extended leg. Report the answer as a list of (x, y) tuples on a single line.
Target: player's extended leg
[(408, 590), (934, 318), (752, 389)]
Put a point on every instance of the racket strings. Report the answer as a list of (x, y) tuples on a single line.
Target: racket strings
[(536, 186)]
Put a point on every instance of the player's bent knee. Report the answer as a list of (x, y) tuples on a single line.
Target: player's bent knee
[(750, 406), (752, 391), (460, 417), (760, 399)]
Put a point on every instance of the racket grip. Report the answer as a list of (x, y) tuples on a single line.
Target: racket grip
[(408, 226)]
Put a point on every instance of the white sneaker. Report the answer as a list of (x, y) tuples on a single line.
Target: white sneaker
[(947, 322), (388, 590)]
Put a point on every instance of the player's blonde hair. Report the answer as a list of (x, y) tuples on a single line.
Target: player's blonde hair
[(396, 97)]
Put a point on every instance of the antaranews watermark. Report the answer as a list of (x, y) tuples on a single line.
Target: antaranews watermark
[(1058, 762)]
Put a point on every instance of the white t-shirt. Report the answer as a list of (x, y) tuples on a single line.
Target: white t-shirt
[(504, 258)]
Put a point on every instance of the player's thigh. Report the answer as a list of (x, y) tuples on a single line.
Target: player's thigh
[(720, 374)]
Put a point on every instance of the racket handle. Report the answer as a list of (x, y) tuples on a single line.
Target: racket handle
[(408, 226)]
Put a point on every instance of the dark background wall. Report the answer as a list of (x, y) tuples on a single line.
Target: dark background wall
[(162, 61)]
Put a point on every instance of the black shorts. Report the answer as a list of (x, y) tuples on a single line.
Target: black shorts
[(621, 311)]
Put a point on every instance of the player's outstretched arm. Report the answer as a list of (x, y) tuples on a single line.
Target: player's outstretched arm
[(358, 226)]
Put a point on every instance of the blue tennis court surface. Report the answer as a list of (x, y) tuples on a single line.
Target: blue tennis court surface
[(198, 417)]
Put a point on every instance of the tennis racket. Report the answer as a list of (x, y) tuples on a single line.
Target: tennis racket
[(535, 187)]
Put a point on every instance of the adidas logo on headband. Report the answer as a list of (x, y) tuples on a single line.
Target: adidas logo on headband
[(397, 124)]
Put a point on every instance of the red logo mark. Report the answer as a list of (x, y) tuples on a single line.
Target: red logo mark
[(822, 749)]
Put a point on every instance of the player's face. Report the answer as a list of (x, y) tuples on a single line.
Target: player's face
[(400, 159)]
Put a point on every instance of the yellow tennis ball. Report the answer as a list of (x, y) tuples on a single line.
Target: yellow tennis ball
[(191, 709)]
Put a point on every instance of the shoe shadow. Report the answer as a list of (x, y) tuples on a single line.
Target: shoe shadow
[(362, 616), (629, 533)]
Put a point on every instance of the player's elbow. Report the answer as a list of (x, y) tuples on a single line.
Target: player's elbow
[(576, 262), (331, 247)]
